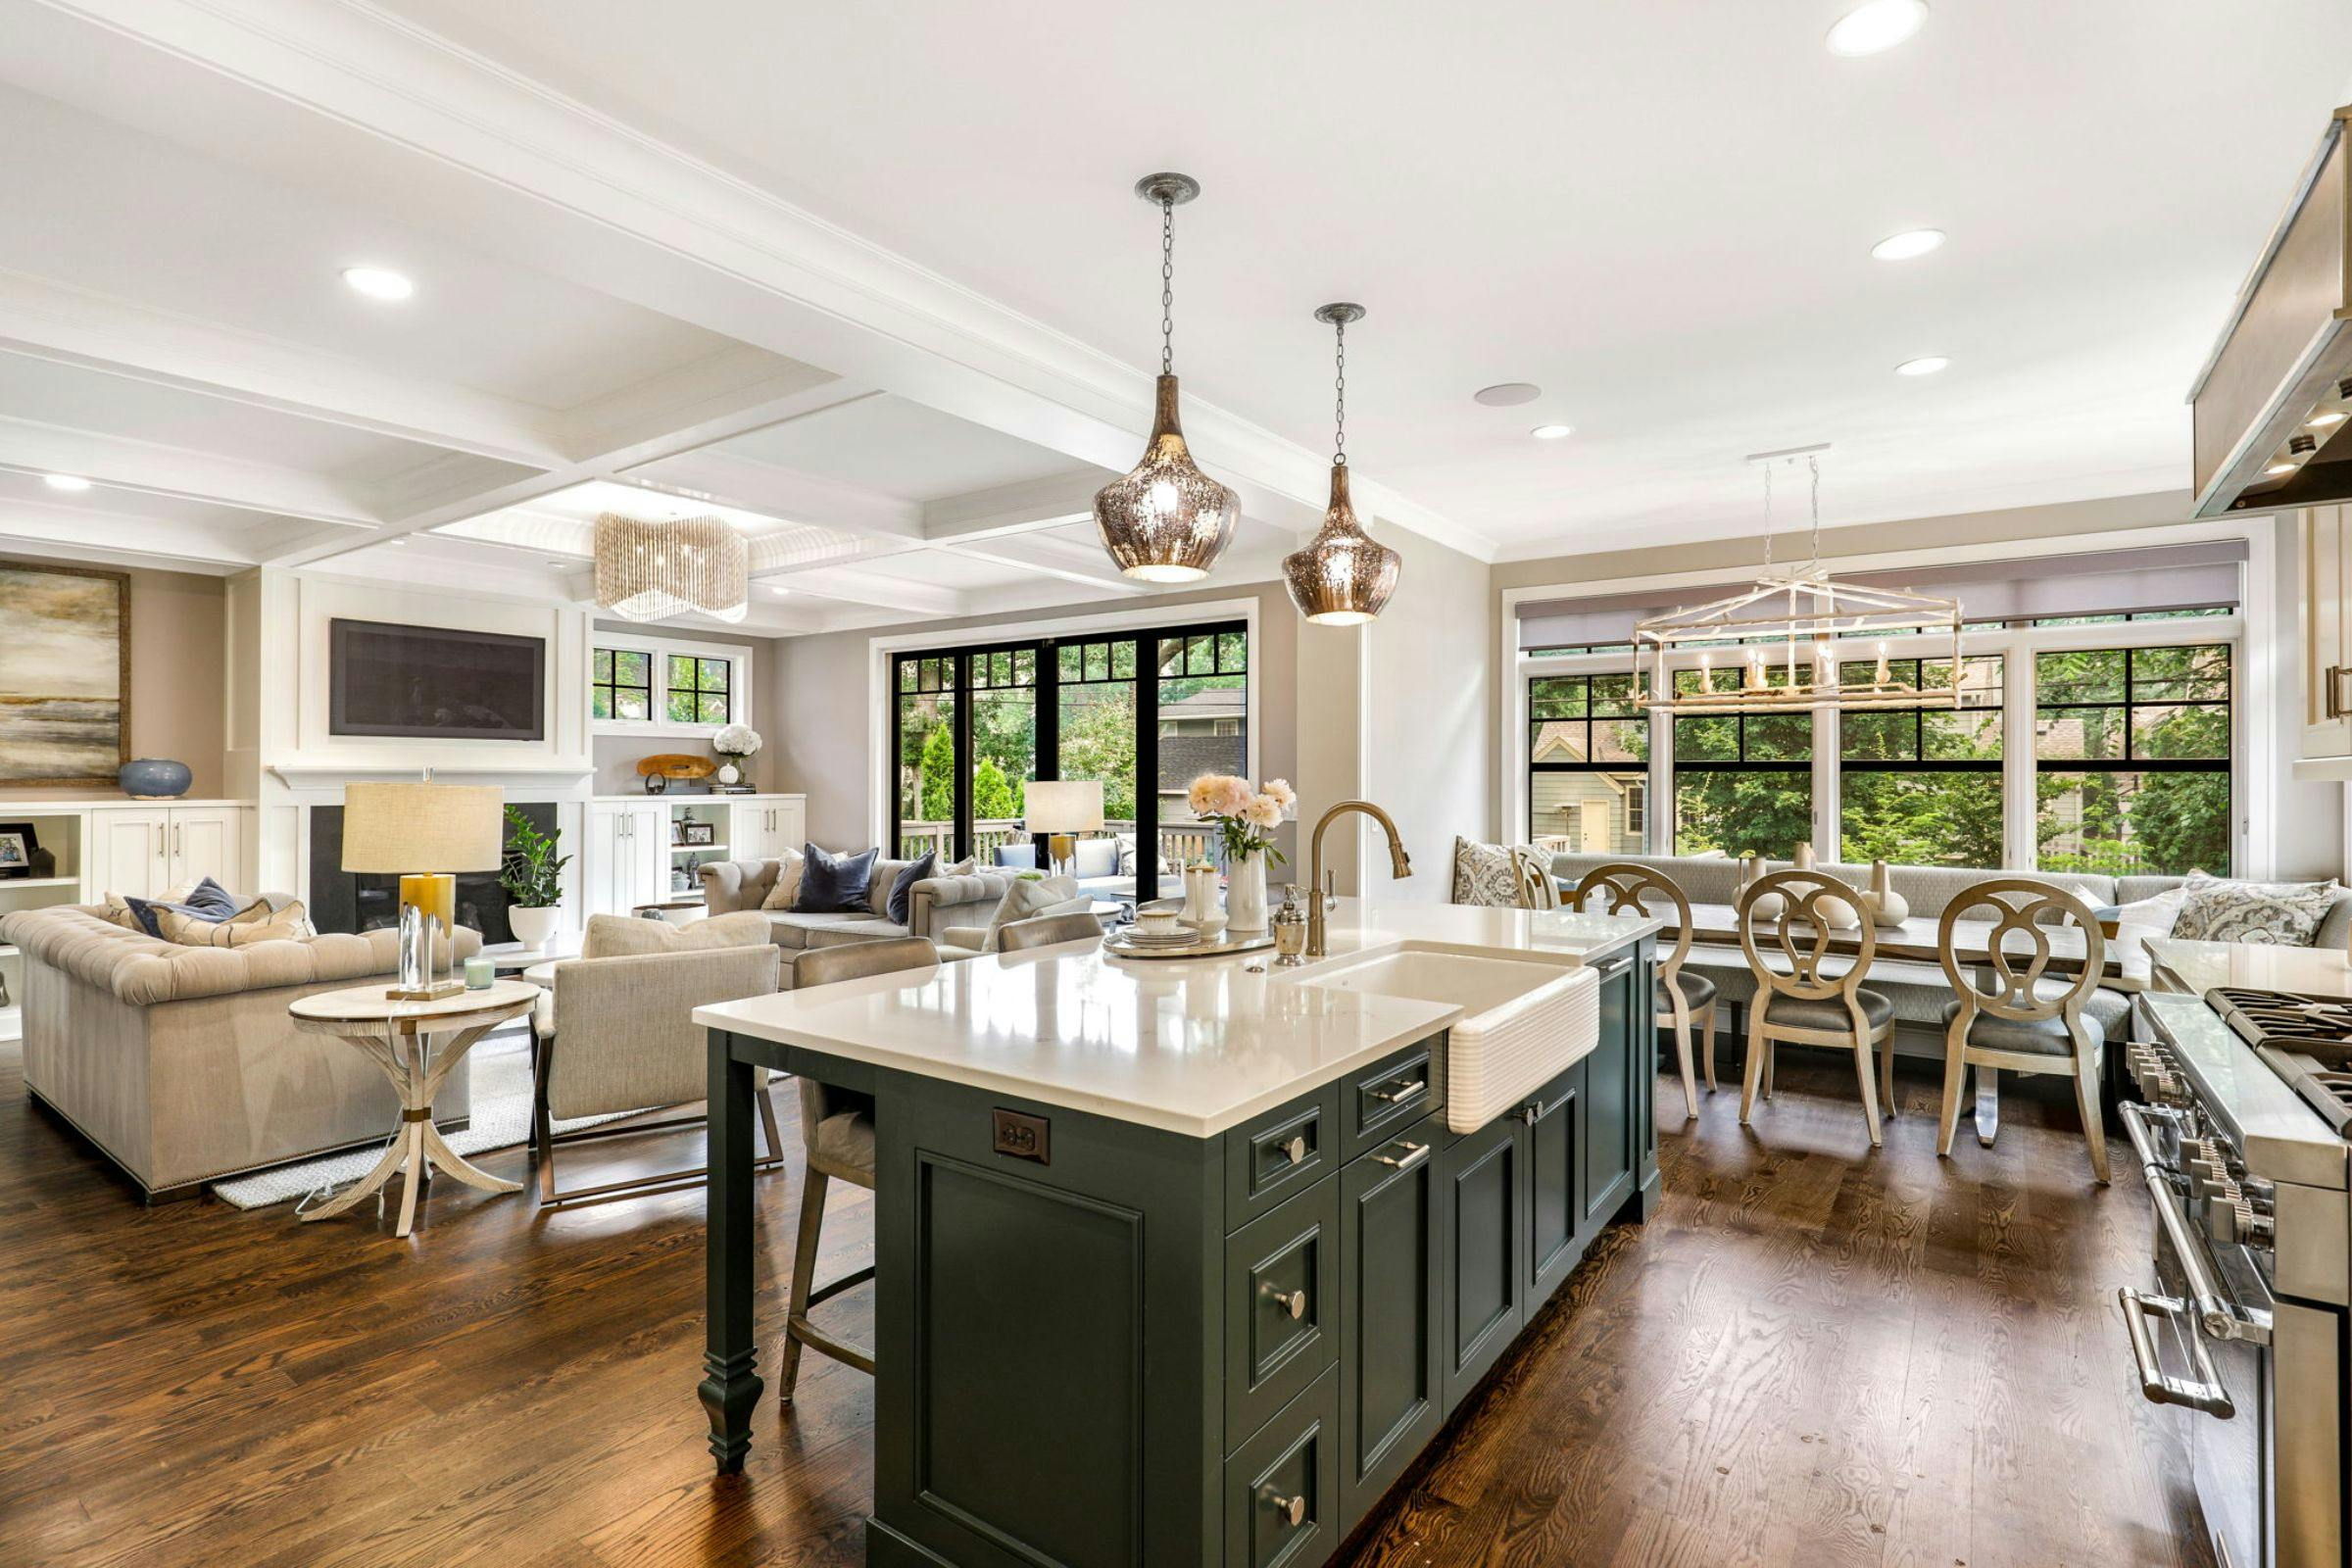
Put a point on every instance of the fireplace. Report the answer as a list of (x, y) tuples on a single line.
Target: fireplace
[(349, 900)]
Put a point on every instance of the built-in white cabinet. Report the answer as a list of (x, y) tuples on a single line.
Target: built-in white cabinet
[(2326, 538), (627, 855), (763, 827), (140, 851)]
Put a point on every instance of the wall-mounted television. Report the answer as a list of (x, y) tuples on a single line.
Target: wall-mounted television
[(435, 682)]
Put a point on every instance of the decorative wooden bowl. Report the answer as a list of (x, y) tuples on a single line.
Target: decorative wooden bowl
[(675, 765)]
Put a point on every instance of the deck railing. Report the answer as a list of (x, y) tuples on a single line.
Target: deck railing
[(1178, 845)]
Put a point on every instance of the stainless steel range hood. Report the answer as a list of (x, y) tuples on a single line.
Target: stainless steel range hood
[(2272, 406)]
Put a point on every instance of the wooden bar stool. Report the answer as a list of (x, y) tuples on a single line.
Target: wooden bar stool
[(1685, 1003), (1803, 1005), (837, 1128)]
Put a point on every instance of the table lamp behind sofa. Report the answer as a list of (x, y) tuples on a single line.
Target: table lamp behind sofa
[(423, 834)]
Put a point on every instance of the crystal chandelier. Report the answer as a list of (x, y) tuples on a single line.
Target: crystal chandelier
[(1166, 522), (1781, 638), (652, 571), (1342, 577)]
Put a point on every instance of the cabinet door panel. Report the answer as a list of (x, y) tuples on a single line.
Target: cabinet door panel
[(129, 853), (1392, 1384), (208, 842), (1483, 1187), (2326, 630), (1282, 1314), (1556, 1169), (1610, 1101)]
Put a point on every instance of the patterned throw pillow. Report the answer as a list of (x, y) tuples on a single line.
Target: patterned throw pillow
[(255, 922), (2284, 914), (1484, 875), (1032, 897), (788, 882)]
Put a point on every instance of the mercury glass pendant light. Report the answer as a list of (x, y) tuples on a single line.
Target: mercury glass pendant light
[(1343, 576), (1166, 522)]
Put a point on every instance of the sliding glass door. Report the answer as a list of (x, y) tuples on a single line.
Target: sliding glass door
[(1143, 711)]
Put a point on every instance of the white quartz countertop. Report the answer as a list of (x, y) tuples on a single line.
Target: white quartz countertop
[(2196, 967), (1191, 1046)]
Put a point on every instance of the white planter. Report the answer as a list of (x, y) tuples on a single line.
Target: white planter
[(1245, 892), (533, 927)]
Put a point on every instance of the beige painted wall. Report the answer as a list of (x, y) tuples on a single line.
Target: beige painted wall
[(824, 696), (178, 675)]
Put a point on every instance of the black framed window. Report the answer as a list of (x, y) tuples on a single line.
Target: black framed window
[(1922, 786), (700, 691), (621, 684), (1743, 782), (1143, 711), (1588, 764), (2131, 759)]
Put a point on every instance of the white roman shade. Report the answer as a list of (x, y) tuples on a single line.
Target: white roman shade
[(2102, 583)]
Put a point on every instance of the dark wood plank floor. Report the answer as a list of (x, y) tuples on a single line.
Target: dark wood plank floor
[(1813, 1356)]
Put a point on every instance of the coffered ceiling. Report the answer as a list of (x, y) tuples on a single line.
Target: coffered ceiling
[(882, 293)]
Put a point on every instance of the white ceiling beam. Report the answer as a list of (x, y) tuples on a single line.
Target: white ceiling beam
[(32, 447), (146, 541), (615, 210), (54, 321), (772, 490), (730, 393), (911, 599), (1048, 557), (1017, 508)]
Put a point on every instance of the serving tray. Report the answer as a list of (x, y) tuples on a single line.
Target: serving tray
[(1118, 946)]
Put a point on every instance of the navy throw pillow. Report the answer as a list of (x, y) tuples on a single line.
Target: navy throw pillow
[(207, 901), (836, 884), (901, 886)]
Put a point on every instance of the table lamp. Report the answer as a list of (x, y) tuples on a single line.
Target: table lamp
[(1060, 809), (423, 834)]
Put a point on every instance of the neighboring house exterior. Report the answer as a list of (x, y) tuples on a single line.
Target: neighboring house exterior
[(1207, 732), (1587, 813)]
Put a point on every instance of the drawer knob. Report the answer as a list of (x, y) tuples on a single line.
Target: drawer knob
[(1291, 1510), (1291, 1302), (1396, 1092), (1295, 1150)]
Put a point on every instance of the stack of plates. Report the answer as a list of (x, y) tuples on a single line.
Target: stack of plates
[(1136, 937)]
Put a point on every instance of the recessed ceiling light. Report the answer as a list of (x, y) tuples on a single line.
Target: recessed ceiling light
[(1911, 242), (1507, 394), (2280, 467), (1877, 25), (1551, 433), (2324, 420), (779, 590), (379, 282), (65, 481), (1926, 364)]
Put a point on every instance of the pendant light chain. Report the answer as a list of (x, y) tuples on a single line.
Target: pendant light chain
[(1167, 285), (1339, 456), (1768, 520), (1813, 466)]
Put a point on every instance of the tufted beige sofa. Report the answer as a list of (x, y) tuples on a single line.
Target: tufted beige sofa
[(180, 1065), (933, 904)]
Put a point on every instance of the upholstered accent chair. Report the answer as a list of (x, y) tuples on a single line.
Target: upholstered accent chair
[(836, 1126), (616, 1032), (2023, 1011)]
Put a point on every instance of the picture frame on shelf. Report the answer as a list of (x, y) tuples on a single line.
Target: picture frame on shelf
[(698, 835), (20, 846)]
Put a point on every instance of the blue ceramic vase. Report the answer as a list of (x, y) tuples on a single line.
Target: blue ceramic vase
[(152, 779)]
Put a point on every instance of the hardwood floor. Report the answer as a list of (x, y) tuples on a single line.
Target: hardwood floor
[(1812, 1356)]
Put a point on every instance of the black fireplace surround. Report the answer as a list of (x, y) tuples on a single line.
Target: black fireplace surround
[(354, 901)]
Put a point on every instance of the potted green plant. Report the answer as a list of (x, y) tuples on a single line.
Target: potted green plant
[(532, 873)]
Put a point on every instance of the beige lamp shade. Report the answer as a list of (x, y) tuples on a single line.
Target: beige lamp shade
[(1063, 806), (390, 829)]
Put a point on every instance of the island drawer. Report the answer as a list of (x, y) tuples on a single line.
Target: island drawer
[(1278, 1155), (1281, 1307), (1282, 1488), (1379, 1101)]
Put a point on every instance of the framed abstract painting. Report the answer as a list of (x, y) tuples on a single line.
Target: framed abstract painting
[(64, 675)]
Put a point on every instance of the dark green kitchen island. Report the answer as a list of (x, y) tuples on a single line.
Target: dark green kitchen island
[(1187, 1262)]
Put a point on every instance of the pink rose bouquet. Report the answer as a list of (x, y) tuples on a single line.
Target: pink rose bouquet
[(1246, 816)]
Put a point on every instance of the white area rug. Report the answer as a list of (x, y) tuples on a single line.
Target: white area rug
[(501, 1119)]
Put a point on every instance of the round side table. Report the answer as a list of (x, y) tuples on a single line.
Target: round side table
[(398, 1036)]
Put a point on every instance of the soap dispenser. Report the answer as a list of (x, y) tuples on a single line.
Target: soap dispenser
[(1290, 928)]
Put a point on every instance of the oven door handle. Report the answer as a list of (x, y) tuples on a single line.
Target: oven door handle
[(2219, 1316), (2155, 1384)]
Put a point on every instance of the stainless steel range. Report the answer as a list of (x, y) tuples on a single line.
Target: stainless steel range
[(2243, 1140)]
